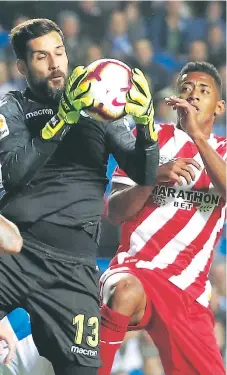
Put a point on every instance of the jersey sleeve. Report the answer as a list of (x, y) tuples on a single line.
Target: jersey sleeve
[(136, 156), (221, 149), (12, 129), (20, 154), (120, 177)]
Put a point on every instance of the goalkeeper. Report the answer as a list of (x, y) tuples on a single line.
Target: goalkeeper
[(54, 173)]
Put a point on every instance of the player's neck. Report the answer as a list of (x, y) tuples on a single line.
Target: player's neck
[(39, 98)]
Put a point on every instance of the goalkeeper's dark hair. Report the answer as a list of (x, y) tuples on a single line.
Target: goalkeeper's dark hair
[(205, 67), (28, 30)]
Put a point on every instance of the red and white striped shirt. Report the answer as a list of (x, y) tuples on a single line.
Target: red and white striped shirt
[(178, 230)]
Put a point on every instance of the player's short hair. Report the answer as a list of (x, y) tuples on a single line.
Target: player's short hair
[(205, 67), (28, 30)]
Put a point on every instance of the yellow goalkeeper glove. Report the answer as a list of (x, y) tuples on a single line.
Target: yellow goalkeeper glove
[(140, 105), (74, 99)]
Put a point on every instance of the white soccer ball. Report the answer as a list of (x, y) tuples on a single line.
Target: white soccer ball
[(110, 82)]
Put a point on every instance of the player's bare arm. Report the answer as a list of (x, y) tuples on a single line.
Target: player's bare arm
[(215, 165), (10, 239), (198, 104), (126, 201)]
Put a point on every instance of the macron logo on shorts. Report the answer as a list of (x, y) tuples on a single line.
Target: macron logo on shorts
[(77, 350)]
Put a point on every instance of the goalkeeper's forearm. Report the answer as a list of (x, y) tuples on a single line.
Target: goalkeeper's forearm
[(146, 159), (139, 157), (146, 154), (21, 164)]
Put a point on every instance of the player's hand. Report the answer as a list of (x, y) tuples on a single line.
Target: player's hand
[(174, 171), (140, 104), (11, 241), (6, 336), (74, 99), (187, 115)]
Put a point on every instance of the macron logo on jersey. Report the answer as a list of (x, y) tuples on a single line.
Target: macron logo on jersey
[(40, 112)]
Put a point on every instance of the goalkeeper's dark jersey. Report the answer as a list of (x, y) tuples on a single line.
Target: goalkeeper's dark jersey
[(62, 182)]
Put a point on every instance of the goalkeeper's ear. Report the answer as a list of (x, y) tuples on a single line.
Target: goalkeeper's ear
[(21, 66)]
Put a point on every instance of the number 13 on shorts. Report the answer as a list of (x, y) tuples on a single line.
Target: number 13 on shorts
[(79, 322)]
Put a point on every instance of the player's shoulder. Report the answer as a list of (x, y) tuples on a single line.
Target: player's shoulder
[(164, 126), (166, 132), (220, 139), (12, 96), (11, 102), (12, 115), (219, 144), (170, 129)]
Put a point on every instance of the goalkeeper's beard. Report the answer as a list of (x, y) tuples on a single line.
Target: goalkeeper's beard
[(41, 87)]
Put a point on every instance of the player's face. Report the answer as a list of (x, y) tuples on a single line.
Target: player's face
[(200, 90), (47, 65)]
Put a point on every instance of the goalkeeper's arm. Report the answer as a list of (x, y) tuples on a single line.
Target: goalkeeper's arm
[(139, 157), (21, 154)]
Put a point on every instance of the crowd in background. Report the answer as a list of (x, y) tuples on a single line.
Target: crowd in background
[(158, 37)]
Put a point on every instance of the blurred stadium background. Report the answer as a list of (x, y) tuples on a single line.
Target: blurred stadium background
[(158, 37)]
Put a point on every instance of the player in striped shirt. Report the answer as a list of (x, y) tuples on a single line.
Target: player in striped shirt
[(158, 279)]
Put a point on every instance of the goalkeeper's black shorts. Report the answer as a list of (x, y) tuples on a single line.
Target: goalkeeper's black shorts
[(61, 295)]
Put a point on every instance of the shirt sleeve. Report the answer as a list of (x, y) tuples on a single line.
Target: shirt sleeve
[(120, 177), (137, 158), (221, 149), (20, 154)]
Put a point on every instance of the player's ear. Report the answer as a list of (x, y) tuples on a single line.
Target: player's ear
[(220, 107), (21, 66)]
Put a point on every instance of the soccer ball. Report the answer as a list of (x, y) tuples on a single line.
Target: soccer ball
[(110, 82)]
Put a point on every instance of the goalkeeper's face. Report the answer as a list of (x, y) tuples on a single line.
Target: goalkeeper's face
[(46, 67)]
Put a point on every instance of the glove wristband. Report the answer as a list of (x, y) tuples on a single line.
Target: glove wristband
[(52, 128), (145, 132)]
